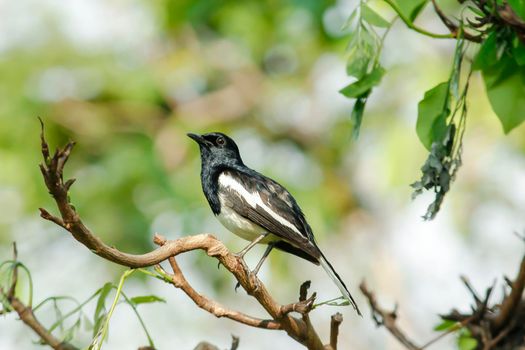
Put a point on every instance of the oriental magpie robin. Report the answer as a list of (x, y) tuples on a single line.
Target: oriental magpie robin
[(256, 207)]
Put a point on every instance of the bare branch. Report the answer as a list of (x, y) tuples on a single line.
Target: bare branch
[(211, 306), (25, 313), (509, 306), (386, 318), (299, 329), (235, 343), (27, 316), (336, 321)]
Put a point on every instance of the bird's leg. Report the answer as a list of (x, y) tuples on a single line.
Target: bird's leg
[(250, 246), (265, 255)]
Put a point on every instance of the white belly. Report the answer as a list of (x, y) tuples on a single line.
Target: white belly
[(242, 227)]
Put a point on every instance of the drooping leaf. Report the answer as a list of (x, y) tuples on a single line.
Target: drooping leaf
[(357, 114), (439, 170), (363, 85), (101, 301), (411, 8), (361, 52), (488, 53), (456, 68), (146, 299), (372, 17), (505, 84), (432, 115)]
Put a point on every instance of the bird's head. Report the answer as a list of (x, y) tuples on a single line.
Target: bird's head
[(217, 148)]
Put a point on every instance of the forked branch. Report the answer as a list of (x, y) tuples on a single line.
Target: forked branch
[(299, 329)]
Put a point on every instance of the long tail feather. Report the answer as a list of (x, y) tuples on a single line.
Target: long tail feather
[(338, 281)]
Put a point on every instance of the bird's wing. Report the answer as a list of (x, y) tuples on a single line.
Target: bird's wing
[(269, 205)]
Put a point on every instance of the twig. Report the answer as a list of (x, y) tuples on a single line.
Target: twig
[(305, 304), (386, 318), (211, 306), (14, 281), (454, 28), (336, 321), (411, 24), (509, 305), (467, 284), (235, 343), (25, 313), (452, 329)]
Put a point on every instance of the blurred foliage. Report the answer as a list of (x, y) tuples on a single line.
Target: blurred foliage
[(128, 80), (129, 103)]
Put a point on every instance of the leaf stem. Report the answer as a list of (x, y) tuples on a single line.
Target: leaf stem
[(412, 26), (130, 303), (97, 342)]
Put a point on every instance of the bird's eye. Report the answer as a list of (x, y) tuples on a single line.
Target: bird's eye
[(220, 141)]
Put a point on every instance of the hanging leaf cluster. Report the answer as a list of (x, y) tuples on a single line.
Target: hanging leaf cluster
[(498, 26)]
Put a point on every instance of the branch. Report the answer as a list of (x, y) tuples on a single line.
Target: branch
[(509, 306), (27, 316), (299, 329), (454, 28), (412, 26), (386, 318), (336, 321), (179, 281), (25, 313)]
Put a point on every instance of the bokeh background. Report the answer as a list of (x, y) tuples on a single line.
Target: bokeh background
[(128, 79)]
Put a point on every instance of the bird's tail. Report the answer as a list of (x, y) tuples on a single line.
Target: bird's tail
[(338, 281)]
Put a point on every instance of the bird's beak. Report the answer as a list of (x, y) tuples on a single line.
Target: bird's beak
[(198, 138)]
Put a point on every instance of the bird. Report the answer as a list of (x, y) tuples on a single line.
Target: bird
[(257, 208)]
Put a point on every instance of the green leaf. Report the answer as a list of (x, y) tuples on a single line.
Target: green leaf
[(363, 85), (456, 68), (357, 114), (101, 301), (466, 342), (361, 51), (518, 52), (143, 299), (432, 115), (411, 8), (518, 6), (445, 325), (505, 84), (373, 17), (488, 53)]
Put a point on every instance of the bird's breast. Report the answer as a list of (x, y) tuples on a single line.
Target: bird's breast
[(242, 227)]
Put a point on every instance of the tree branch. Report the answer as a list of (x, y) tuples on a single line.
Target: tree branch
[(386, 318), (299, 329), (336, 321), (25, 313), (179, 281), (509, 306)]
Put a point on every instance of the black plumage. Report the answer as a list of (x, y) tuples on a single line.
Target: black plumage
[(254, 206)]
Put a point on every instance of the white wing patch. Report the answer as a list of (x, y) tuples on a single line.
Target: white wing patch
[(254, 199)]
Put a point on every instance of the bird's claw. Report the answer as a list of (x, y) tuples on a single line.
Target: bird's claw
[(254, 281)]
